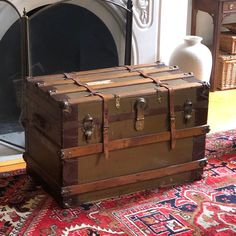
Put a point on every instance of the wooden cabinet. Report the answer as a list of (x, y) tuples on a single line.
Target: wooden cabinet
[(218, 9)]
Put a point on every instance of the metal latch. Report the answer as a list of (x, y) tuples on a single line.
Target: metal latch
[(205, 90), (140, 107), (159, 97), (88, 127), (188, 110), (117, 101)]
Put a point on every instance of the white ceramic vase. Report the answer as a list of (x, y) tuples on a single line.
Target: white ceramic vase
[(193, 56)]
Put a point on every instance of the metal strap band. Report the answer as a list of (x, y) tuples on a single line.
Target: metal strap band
[(105, 111), (105, 124), (171, 106), (129, 68)]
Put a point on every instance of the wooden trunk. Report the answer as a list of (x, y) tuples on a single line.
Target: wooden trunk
[(102, 133)]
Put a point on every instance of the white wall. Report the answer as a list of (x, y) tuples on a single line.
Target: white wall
[(174, 25), (8, 16)]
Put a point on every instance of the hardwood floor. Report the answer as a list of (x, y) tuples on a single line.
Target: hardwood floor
[(10, 158), (221, 116), (222, 110)]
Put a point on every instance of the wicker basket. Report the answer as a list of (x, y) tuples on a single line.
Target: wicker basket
[(226, 74), (228, 42)]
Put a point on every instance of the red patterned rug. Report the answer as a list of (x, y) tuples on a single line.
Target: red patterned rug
[(205, 207)]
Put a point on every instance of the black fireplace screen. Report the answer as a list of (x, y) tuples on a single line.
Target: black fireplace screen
[(10, 69), (63, 37), (67, 37)]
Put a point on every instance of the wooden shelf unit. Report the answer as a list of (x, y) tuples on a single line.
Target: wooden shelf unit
[(218, 9)]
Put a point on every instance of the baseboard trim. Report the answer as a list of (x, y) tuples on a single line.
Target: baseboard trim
[(12, 165)]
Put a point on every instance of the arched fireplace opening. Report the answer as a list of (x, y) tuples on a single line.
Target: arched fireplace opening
[(68, 37)]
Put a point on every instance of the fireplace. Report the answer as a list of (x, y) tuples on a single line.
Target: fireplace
[(69, 36)]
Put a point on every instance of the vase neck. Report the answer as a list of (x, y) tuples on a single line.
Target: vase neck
[(192, 40)]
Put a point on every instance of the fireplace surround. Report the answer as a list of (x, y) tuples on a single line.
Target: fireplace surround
[(104, 36), (145, 23)]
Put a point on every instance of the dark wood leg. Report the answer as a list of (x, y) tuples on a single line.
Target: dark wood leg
[(194, 21), (215, 50)]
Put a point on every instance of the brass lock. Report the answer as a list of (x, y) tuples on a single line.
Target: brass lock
[(188, 110), (159, 97), (88, 127), (140, 107)]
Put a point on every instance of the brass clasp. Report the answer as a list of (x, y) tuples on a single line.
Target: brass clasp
[(88, 127), (188, 110), (117, 101), (140, 107), (159, 97)]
